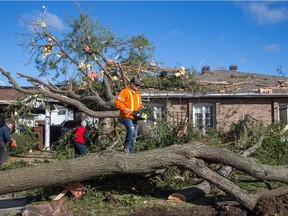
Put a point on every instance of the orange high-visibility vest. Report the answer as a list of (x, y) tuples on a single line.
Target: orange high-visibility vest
[(128, 101)]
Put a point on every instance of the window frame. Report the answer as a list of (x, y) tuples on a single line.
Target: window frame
[(61, 111), (155, 107), (203, 107)]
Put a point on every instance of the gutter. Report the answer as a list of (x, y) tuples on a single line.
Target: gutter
[(6, 102), (222, 95)]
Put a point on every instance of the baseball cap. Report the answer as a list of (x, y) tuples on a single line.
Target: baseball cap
[(136, 81)]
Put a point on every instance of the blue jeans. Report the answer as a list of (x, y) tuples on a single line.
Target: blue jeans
[(80, 149), (131, 134)]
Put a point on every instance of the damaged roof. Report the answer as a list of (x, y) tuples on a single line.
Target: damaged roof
[(227, 81), (213, 83), (230, 83)]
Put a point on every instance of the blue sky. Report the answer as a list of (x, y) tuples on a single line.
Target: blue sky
[(251, 35)]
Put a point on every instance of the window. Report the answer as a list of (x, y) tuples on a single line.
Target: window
[(283, 113), (204, 116), (62, 112), (158, 111)]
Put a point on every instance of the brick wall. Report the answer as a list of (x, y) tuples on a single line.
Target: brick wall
[(177, 111), (228, 110)]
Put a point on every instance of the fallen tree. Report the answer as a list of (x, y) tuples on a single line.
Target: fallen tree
[(204, 186), (192, 156)]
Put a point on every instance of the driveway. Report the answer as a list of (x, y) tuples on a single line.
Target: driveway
[(10, 205)]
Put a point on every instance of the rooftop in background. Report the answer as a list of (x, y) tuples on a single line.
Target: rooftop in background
[(216, 82), (8, 93), (231, 81), (234, 82)]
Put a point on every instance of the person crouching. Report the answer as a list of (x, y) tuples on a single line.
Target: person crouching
[(81, 140)]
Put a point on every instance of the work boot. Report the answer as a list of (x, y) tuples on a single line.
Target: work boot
[(126, 151)]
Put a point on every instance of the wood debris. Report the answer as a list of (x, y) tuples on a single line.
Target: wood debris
[(76, 188), (264, 90), (176, 197), (55, 208)]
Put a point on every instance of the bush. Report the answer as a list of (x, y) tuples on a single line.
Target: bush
[(26, 140), (274, 149)]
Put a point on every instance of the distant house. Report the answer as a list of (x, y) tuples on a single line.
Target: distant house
[(58, 113), (8, 95), (229, 96), (40, 117)]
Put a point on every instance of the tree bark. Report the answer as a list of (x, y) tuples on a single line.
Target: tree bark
[(190, 156), (204, 187), (49, 91)]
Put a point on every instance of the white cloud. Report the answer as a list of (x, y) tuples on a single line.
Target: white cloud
[(54, 21), (272, 48), (50, 20), (266, 12), (176, 32)]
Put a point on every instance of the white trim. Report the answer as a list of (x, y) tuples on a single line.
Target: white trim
[(203, 106)]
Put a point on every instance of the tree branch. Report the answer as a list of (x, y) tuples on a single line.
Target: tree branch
[(70, 101)]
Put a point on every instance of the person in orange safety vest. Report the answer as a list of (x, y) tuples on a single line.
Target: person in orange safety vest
[(129, 102)]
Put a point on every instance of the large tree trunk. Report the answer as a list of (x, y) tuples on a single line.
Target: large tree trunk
[(204, 187), (189, 156)]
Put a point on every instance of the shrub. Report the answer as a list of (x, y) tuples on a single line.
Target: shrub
[(25, 140)]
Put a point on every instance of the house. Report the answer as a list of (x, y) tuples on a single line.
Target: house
[(41, 116), (58, 113), (229, 96)]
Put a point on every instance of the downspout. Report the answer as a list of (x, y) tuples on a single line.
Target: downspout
[(16, 122), (47, 127)]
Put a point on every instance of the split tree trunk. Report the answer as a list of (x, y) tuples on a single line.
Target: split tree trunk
[(189, 156)]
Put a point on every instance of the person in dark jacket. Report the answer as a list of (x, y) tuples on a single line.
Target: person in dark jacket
[(2, 120), (5, 139), (81, 140)]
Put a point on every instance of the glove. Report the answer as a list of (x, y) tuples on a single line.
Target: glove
[(135, 113), (13, 144), (144, 116), (139, 114)]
